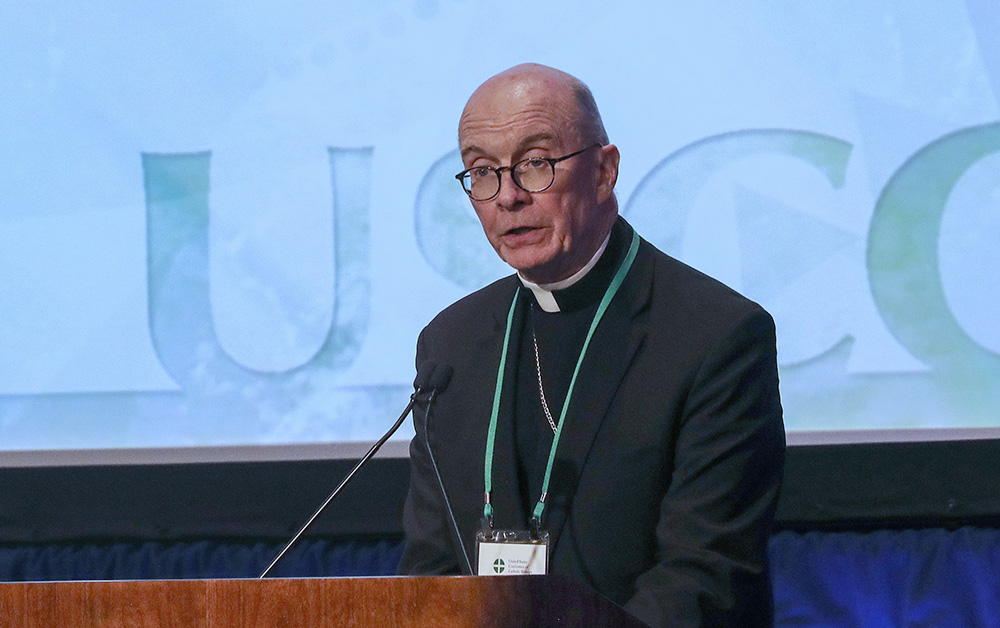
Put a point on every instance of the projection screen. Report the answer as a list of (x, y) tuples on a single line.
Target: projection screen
[(223, 225)]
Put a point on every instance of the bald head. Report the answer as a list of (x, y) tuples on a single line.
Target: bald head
[(567, 93)]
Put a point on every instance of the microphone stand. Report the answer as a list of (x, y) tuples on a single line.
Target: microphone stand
[(371, 452)]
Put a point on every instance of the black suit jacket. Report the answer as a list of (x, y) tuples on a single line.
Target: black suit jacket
[(669, 466)]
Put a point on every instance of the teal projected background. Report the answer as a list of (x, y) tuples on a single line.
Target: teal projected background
[(225, 224)]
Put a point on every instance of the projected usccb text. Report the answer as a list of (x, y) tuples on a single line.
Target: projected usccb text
[(902, 266), (941, 371)]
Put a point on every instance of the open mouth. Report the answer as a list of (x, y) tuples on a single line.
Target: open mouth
[(520, 230)]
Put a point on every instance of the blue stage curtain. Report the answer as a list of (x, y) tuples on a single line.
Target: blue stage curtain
[(198, 559), (886, 579)]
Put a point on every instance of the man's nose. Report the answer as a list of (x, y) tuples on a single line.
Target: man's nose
[(511, 196)]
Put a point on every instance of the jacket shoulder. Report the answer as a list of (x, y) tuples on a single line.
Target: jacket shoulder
[(697, 303), (478, 309)]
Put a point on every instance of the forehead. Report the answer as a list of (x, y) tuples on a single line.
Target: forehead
[(503, 113)]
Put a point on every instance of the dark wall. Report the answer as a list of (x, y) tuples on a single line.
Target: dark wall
[(945, 484)]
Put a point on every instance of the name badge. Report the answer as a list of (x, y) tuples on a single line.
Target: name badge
[(512, 553)]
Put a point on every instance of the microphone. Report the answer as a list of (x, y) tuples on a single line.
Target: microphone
[(438, 381), (432, 378)]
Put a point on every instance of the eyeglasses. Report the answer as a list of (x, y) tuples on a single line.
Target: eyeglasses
[(534, 174)]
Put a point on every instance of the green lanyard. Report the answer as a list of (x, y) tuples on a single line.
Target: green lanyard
[(609, 294)]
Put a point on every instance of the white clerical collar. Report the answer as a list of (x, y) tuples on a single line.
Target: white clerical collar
[(543, 292)]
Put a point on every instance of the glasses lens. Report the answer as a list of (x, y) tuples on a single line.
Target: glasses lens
[(534, 175), (481, 183)]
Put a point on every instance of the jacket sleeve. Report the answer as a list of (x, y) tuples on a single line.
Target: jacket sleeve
[(428, 549), (715, 517)]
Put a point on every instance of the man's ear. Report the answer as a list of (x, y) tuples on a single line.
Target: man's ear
[(608, 171)]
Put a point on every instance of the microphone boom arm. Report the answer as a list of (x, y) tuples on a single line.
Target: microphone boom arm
[(336, 491)]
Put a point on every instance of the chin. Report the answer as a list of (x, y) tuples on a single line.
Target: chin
[(525, 263)]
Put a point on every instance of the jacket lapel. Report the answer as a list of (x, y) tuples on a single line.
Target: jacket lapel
[(465, 483), (506, 485), (609, 356)]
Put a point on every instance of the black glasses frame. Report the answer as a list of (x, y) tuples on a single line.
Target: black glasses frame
[(552, 161)]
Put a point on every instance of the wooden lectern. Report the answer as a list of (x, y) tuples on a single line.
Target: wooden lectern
[(440, 602)]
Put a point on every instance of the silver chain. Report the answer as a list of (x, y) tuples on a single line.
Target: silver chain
[(541, 390)]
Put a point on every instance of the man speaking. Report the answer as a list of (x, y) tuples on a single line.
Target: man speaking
[(613, 414)]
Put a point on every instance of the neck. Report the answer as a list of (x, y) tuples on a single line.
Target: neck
[(543, 291)]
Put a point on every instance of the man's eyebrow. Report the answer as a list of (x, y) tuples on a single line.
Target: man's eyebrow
[(472, 149)]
